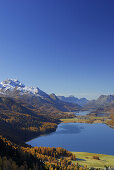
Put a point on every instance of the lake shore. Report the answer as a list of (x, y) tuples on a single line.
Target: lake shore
[(88, 119), (78, 119), (85, 158)]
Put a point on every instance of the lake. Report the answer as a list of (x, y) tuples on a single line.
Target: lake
[(79, 137)]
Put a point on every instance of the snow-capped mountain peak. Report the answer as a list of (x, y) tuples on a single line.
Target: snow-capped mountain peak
[(12, 85)]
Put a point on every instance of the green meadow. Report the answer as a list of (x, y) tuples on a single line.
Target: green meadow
[(84, 158)]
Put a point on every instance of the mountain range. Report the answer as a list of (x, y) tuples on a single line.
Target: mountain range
[(37, 98), (34, 97), (72, 99), (102, 101)]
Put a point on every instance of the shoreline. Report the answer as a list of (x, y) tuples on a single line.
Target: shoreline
[(41, 134), (85, 158), (88, 120), (44, 134)]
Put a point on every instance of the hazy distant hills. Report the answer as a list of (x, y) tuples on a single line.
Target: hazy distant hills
[(35, 97), (105, 99), (72, 99), (102, 101), (103, 106)]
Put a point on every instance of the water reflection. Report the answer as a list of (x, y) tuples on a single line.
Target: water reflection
[(82, 113), (79, 137), (69, 129)]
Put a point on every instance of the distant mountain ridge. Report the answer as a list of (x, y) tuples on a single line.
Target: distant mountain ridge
[(103, 106), (103, 100), (72, 99), (34, 96)]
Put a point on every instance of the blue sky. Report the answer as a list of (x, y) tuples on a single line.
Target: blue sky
[(61, 46)]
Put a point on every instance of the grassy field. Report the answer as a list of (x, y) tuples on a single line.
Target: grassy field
[(84, 158), (85, 119), (70, 120)]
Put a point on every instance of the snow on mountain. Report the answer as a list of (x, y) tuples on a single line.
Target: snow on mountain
[(13, 84)]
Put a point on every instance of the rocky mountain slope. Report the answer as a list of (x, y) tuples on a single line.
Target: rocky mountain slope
[(102, 107), (34, 96), (102, 101)]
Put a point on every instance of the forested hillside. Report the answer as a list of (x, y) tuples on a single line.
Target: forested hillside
[(12, 157), (15, 157), (20, 123)]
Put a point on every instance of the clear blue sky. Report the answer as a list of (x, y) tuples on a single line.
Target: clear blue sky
[(61, 46)]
